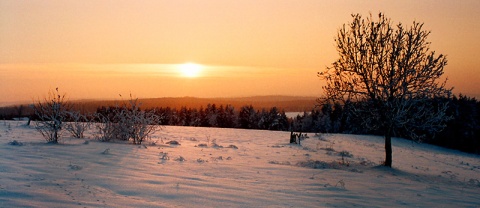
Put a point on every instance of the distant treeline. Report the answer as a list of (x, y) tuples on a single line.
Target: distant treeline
[(247, 117), (223, 116), (462, 132)]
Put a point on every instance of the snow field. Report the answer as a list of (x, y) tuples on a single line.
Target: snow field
[(236, 168)]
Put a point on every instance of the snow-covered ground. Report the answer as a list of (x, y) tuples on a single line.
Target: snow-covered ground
[(252, 169), (293, 114)]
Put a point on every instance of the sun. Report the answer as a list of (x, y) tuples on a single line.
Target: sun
[(190, 70)]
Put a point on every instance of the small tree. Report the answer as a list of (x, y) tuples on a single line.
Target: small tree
[(51, 114), (391, 75)]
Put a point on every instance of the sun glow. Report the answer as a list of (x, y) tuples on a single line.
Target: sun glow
[(190, 70)]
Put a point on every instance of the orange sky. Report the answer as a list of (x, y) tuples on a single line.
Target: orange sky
[(100, 48)]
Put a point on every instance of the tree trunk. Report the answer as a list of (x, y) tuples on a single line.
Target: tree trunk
[(299, 138), (55, 137), (293, 138), (388, 148)]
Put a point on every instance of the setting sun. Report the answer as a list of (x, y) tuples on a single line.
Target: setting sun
[(190, 69)]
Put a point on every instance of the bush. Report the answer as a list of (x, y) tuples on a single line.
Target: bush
[(127, 122), (105, 128), (51, 114), (79, 123)]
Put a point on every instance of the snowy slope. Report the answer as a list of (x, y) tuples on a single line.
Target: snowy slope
[(265, 171)]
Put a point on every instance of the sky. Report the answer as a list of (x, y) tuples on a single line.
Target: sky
[(98, 49)]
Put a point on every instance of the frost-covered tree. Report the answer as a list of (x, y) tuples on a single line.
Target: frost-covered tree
[(391, 73), (51, 114)]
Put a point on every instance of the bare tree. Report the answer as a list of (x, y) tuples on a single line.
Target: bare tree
[(51, 115), (390, 75)]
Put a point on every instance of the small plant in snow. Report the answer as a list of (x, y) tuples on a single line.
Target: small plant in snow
[(74, 167), (15, 143), (329, 147), (215, 145), (164, 156), (106, 151), (180, 159), (341, 184), (232, 146), (345, 154), (202, 145), (217, 158), (474, 182), (208, 139), (173, 142), (345, 162)]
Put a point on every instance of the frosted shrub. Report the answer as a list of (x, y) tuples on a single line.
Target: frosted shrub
[(78, 125), (51, 114), (105, 128), (127, 122)]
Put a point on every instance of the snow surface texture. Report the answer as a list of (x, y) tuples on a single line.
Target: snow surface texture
[(210, 167)]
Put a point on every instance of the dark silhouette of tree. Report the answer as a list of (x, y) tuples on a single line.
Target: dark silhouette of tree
[(337, 117), (20, 110), (185, 116), (390, 72), (211, 115), (265, 120), (165, 115), (247, 117), (325, 120), (281, 122), (272, 119), (195, 117), (463, 131), (226, 117)]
